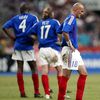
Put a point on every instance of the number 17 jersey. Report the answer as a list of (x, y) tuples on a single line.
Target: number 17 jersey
[(46, 31)]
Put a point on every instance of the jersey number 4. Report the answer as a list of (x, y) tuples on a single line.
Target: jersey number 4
[(23, 25), (45, 31)]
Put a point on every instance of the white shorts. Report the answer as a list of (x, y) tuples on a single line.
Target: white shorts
[(74, 59), (21, 55), (49, 56)]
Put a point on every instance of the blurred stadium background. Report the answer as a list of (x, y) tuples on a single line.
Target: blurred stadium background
[(89, 30), (89, 46)]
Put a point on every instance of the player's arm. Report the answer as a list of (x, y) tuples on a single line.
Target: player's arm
[(6, 28), (8, 33), (67, 27), (32, 32), (60, 37), (69, 43), (58, 31), (59, 42)]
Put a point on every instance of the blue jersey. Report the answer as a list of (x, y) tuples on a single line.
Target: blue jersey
[(21, 24), (46, 31), (69, 26)]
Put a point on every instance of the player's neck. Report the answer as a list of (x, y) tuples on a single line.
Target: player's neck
[(46, 18), (73, 13)]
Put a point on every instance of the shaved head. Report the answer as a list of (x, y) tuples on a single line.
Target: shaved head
[(77, 6), (78, 9)]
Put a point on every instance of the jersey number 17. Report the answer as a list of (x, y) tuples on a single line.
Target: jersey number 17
[(45, 31)]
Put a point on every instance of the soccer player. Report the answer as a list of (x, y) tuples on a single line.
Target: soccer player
[(23, 46), (49, 52), (71, 56)]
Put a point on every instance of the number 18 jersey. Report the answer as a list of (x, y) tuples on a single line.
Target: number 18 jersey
[(46, 31), (21, 24)]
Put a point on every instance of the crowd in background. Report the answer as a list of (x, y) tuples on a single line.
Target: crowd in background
[(89, 25)]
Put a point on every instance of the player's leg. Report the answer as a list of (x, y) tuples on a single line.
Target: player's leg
[(82, 76), (59, 77), (45, 81), (17, 56), (59, 74), (45, 59), (66, 73), (20, 80), (63, 84), (81, 82), (30, 58), (10, 62), (35, 78), (57, 63)]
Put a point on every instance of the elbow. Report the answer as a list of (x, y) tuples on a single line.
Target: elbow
[(3, 28)]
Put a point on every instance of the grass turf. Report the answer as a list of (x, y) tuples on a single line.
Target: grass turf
[(9, 88)]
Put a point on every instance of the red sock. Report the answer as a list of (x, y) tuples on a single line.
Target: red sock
[(59, 79), (62, 88), (20, 82), (45, 82), (80, 87), (36, 83)]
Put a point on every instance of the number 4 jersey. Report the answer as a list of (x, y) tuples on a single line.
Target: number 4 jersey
[(46, 31), (21, 24)]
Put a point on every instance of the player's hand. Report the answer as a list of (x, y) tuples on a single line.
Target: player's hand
[(33, 37), (72, 48), (69, 43)]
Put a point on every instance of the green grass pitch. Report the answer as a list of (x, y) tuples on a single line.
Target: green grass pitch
[(9, 88)]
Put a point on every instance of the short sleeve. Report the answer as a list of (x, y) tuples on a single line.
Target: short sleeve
[(8, 24), (57, 24), (59, 30), (68, 24), (35, 20)]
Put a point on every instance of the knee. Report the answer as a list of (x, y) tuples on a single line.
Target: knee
[(34, 72), (82, 70), (59, 71), (20, 70), (44, 72), (67, 75), (84, 73)]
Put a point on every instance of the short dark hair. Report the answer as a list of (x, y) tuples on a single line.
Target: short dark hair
[(24, 7)]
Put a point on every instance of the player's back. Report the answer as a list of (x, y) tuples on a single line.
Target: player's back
[(21, 24), (46, 31)]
